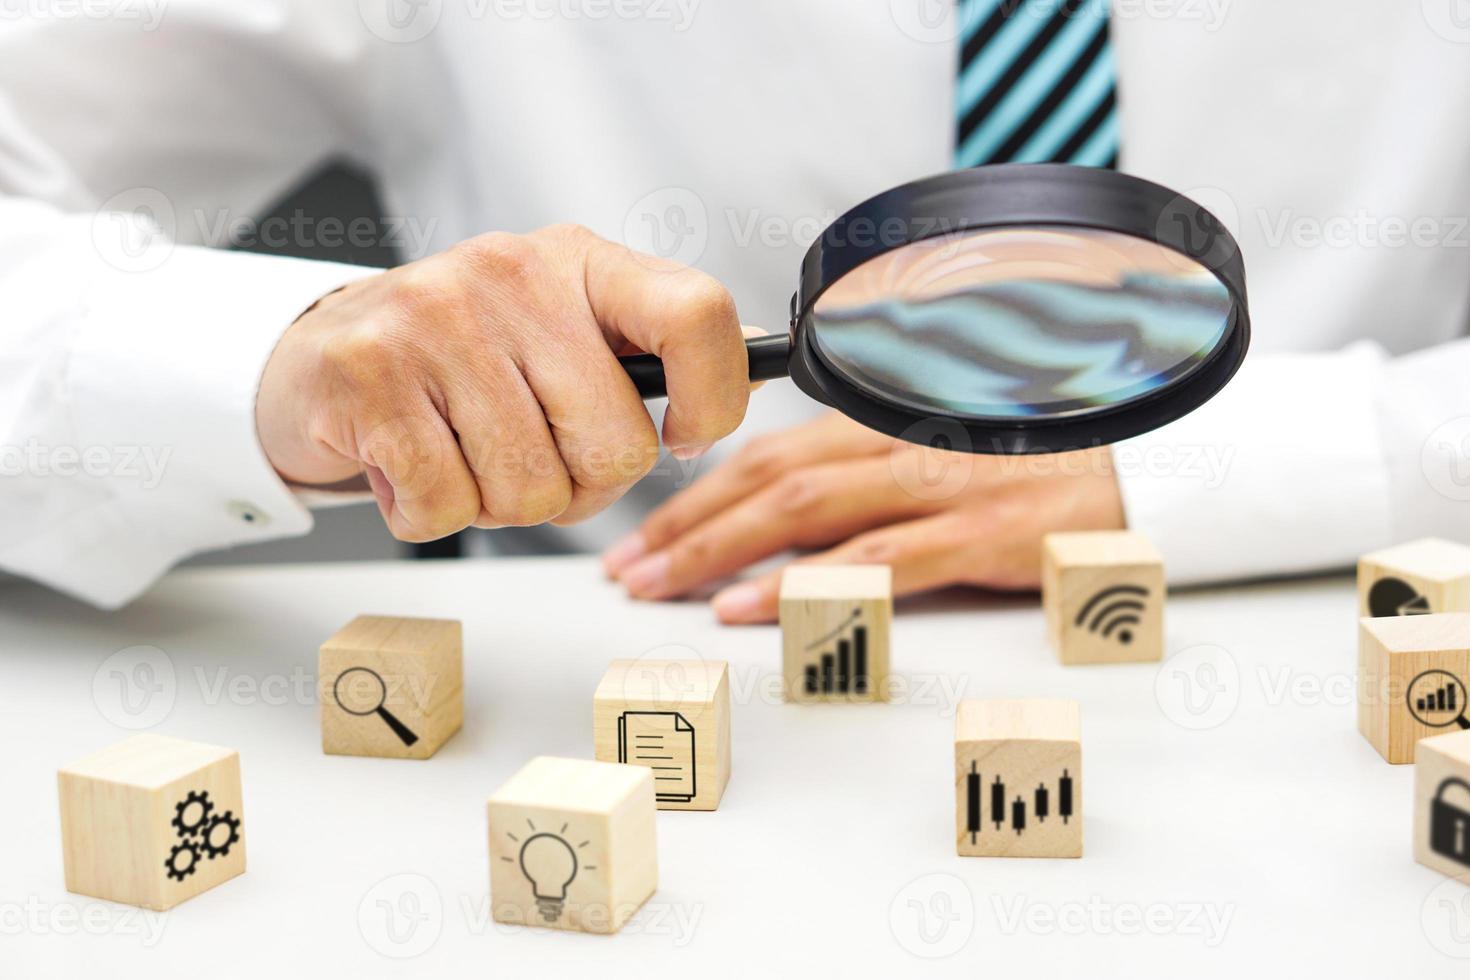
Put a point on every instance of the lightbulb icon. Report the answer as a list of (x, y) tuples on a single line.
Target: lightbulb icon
[(549, 864)]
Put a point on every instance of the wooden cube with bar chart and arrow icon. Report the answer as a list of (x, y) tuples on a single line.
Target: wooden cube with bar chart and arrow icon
[(672, 716), (391, 686), (152, 821), (1429, 575), (572, 845), (834, 632), (1103, 595), (1018, 778), (1411, 680), (1442, 803)]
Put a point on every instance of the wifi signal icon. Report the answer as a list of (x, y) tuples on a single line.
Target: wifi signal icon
[(1115, 610)]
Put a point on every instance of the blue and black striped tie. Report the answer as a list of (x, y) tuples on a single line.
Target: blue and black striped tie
[(1036, 83)]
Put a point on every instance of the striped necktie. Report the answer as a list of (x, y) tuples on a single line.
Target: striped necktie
[(1036, 84)]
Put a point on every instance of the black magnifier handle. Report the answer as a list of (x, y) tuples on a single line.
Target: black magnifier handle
[(399, 728), (1462, 722), (768, 357)]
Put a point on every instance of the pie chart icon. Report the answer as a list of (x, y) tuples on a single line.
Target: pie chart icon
[(1395, 597)]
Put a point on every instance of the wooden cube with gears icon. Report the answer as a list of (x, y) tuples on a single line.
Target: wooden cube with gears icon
[(391, 686), (1018, 779), (152, 821), (1103, 595), (834, 632), (1429, 575), (572, 845), (1442, 803), (672, 716), (1411, 680)]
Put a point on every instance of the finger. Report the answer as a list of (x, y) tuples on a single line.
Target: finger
[(762, 461), (688, 320), (922, 553), (422, 484), (810, 507)]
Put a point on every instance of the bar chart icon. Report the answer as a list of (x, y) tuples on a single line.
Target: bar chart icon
[(842, 659)]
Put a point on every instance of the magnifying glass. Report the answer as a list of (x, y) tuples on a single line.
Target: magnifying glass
[(1016, 308), (1437, 699), (367, 694)]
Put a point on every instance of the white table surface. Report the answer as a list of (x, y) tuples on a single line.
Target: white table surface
[(1273, 838)]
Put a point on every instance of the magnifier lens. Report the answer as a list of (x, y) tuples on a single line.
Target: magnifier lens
[(359, 691), (1033, 321)]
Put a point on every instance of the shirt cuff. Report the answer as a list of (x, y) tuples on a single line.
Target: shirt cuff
[(1281, 473)]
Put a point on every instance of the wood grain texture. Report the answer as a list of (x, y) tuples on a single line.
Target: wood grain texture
[(1025, 755), (1436, 569), (676, 710), (412, 668), (572, 845), (822, 609), (119, 809), (1392, 653), (1085, 575), (1437, 759)]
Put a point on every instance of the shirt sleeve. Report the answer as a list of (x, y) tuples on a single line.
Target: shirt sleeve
[(1306, 461)]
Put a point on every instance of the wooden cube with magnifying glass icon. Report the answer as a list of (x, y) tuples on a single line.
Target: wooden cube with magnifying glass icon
[(391, 686), (1412, 674), (572, 845), (1103, 595)]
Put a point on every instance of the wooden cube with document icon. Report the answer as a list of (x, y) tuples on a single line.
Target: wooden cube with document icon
[(1412, 672), (834, 632), (391, 686), (1429, 575), (672, 716)]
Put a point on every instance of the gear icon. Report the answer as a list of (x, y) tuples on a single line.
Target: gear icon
[(200, 804), (221, 834), (183, 860)]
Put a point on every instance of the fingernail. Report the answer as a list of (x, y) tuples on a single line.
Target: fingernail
[(739, 603), (624, 553), (647, 576), (691, 452)]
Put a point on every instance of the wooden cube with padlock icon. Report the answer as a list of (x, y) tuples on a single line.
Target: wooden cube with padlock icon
[(1442, 803)]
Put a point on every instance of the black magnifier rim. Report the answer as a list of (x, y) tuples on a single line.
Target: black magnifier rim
[(1008, 196)]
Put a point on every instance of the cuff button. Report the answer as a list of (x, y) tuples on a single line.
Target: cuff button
[(248, 514)]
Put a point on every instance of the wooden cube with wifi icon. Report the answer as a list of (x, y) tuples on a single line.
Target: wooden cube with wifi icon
[(1103, 594), (834, 632)]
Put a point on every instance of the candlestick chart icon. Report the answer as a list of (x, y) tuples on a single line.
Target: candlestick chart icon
[(1019, 810)]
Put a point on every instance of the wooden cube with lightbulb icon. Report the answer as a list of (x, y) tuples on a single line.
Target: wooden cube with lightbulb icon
[(391, 686), (1103, 596), (1429, 575), (572, 845), (1412, 676), (834, 632), (1018, 778)]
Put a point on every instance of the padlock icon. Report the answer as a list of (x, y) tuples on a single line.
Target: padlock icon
[(1449, 825)]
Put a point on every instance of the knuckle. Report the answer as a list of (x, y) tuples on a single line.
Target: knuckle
[(539, 504), (799, 494), (876, 549), (503, 256), (360, 355), (417, 294), (703, 298), (762, 459)]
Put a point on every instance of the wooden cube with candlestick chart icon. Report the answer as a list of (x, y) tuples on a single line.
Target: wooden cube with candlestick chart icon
[(1442, 803), (1103, 595), (391, 686), (1411, 680), (152, 821), (834, 632), (1429, 575), (672, 716), (572, 845), (1018, 778)]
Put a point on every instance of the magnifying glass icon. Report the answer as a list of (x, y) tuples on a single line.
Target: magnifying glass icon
[(1437, 699), (367, 694), (1024, 308)]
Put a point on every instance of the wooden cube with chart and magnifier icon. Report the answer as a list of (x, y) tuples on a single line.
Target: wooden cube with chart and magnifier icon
[(1416, 578), (1103, 595), (391, 686), (152, 821), (572, 845), (672, 716), (1018, 778), (1411, 680), (835, 632)]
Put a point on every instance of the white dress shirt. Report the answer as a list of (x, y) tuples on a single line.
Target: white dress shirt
[(1329, 134)]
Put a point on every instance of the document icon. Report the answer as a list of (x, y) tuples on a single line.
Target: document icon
[(664, 742)]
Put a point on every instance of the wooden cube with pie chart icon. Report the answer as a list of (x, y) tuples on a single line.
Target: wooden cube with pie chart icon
[(152, 821), (391, 686), (1429, 575), (1103, 595), (573, 844), (834, 632), (1411, 680)]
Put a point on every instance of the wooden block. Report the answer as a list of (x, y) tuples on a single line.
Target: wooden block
[(391, 686), (1411, 679), (572, 845), (672, 716), (1425, 576), (1018, 779), (1103, 595), (834, 632), (152, 821), (1442, 803)]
